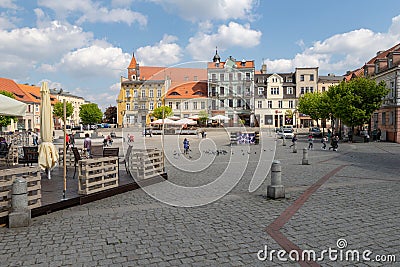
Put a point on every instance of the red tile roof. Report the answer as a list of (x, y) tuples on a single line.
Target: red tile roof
[(247, 64), (188, 90), (175, 74), (34, 92), (133, 63), (10, 86)]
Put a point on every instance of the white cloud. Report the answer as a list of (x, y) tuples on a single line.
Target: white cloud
[(8, 4), (115, 87), (164, 53), (228, 36), (93, 12), (340, 52), (23, 48), (199, 10), (121, 3), (97, 60), (5, 22)]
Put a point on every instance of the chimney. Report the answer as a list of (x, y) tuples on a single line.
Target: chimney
[(264, 68)]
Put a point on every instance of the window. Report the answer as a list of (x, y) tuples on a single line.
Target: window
[(221, 77), (195, 78), (274, 90), (280, 104), (311, 77), (151, 106), (221, 103), (390, 63), (302, 77), (135, 93), (170, 104), (383, 118), (194, 105), (203, 105), (260, 90), (158, 92), (289, 90), (391, 117), (392, 89), (143, 93), (159, 104), (239, 75), (230, 103), (323, 89), (239, 103), (311, 89), (213, 77), (290, 103), (222, 91), (289, 79), (247, 76), (259, 104), (37, 108), (269, 103), (136, 107), (239, 90), (177, 105), (128, 106), (186, 78), (230, 77), (143, 106), (186, 105), (127, 93), (151, 93)]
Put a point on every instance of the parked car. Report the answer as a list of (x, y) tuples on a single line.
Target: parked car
[(315, 132), (287, 133)]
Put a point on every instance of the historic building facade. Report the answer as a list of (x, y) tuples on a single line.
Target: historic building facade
[(231, 89)]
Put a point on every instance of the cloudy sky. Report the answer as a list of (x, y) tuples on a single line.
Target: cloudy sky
[(84, 46)]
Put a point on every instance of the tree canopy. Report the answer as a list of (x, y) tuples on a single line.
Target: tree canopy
[(58, 109), (355, 101), (6, 120), (90, 114), (158, 112), (203, 117), (110, 115)]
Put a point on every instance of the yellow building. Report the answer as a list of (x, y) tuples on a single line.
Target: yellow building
[(145, 89)]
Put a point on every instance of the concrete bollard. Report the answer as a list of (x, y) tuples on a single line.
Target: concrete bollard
[(295, 147), (276, 189), (305, 157), (283, 141), (20, 215)]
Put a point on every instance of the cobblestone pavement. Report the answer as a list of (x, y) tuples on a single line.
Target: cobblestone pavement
[(351, 194)]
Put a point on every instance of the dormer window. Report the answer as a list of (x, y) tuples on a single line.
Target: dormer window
[(376, 67), (390, 62), (174, 93)]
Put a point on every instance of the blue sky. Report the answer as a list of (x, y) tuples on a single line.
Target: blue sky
[(84, 46)]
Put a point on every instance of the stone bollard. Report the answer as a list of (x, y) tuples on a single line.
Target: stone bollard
[(295, 147), (20, 215), (305, 157), (276, 189), (283, 141)]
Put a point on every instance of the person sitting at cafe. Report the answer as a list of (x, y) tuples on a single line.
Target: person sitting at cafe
[(3, 147)]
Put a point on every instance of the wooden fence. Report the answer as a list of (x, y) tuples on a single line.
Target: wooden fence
[(145, 163), (98, 174), (7, 177)]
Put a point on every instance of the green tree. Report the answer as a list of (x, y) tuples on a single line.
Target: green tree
[(90, 114), (58, 109), (203, 117), (158, 112), (312, 105), (110, 115), (6, 120), (355, 101)]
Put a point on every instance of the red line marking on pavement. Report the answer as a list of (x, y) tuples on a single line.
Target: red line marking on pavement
[(368, 178), (275, 226)]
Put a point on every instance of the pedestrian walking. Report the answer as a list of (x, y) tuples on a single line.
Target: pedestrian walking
[(334, 143), (294, 140), (72, 139), (186, 146), (323, 141), (35, 139), (310, 142), (87, 145)]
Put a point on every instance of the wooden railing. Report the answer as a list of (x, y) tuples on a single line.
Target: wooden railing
[(7, 177), (97, 174)]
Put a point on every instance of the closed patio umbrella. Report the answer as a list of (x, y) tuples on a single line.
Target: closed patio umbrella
[(48, 155)]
